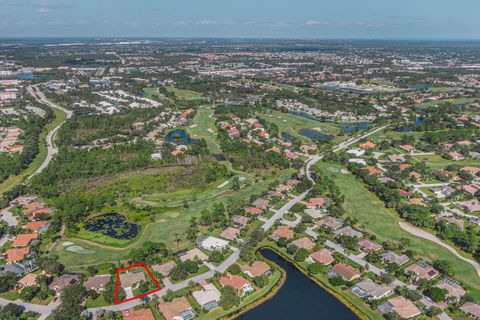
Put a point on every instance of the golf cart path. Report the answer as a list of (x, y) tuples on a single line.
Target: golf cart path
[(425, 235)]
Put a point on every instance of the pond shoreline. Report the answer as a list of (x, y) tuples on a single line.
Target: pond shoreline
[(338, 297)]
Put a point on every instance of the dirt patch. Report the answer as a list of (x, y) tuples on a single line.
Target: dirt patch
[(173, 215)]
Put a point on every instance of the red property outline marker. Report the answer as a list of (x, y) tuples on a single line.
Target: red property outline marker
[(117, 282)]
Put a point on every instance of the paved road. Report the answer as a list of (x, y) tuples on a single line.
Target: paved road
[(396, 283), (348, 143), (51, 149), (47, 310), (418, 187), (425, 235)]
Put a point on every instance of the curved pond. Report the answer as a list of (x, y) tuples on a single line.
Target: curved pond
[(179, 136), (315, 135), (300, 298), (410, 127), (353, 127), (113, 225)]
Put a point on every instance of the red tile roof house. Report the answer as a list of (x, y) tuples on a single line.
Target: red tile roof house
[(456, 156), (401, 306), (37, 226), (315, 203), (454, 289), (240, 221), (330, 222), (322, 256), (472, 170), (230, 233), (368, 145), (140, 314), (472, 309), (303, 243), (347, 272), (131, 279), (256, 269), (177, 309), (165, 268), (368, 246), (23, 240), (422, 270), (282, 232), (34, 206), (238, 283), (407, 147), (469, 205), (253, 211), (29, 280), (16, 254)]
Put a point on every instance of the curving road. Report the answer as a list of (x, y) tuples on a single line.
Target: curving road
[(51, 148), (428, 236)]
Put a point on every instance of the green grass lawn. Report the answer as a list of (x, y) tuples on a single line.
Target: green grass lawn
[(167, 223), (11, 182), (370, 211), (454, 101), (436, 162), (183, 94), (291, 124), (204, 127), (99, 302)]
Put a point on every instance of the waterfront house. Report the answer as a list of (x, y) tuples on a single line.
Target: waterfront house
[(138, 314), (369, 289), (322, 256), (282, 232), (345, 271), (256, 269), (401, 306), (207, 298), (238, 283), (304, 243), (177, 309)]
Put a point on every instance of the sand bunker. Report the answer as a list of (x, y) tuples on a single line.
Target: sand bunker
[(67, 243), (79, 250)]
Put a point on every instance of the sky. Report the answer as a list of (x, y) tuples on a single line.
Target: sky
[(310, 19)]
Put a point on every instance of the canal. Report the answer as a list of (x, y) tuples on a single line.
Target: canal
[(299, 299)]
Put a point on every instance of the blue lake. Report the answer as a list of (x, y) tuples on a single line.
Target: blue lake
[(315, 135), (179, 136), (300, 298), (27, 76), (353, 127), (410, 127), (286, 136)]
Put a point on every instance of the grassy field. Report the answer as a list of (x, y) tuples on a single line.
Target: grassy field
[(204, 127), (10, 183), (183, 94), (438, 102), (371, 213), (383, 135), (436, 162), (291, 124), (172, 219)]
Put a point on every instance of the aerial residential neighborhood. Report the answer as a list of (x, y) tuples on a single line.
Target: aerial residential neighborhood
[(249, 160)]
